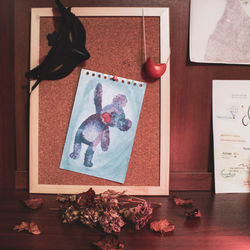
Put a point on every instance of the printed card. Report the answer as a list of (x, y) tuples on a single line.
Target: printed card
[(231, 129)]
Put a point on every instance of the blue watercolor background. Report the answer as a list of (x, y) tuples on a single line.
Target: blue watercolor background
[(112, 164)]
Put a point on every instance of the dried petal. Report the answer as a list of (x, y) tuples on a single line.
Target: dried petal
[(182, 202), (34, 203), (30, 227), (196, 213), (110, 242), (34, 228), (162, 226), (23, 226)]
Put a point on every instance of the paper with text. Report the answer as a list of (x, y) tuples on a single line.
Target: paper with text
[(231, 130)]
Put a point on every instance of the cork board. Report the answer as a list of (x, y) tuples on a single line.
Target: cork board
[(115, 42)]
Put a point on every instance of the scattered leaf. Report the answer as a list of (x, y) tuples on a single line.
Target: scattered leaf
[(23, 226), (109, 242), (182, 202), (34, 203), (26, 226), (34, 228), (162, 226), (196, 213)]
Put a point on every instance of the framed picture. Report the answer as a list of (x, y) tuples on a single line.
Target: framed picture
[(116, 40)]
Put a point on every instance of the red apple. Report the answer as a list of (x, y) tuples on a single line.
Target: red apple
[(155, 70)]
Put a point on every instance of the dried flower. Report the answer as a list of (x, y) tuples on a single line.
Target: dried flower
[(89, 216), (66, 198), (106, 210), (111, 194), (104, 203), (139, 215), (182, 202), (110, 242), (162, 226), (111, 221), (70, 215), (34, 203), (86, 199), (30, 227), (196, 213)]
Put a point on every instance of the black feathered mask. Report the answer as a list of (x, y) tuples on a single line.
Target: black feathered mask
[(68, 49)]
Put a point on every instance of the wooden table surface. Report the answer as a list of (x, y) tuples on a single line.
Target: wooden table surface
[(225, 224)]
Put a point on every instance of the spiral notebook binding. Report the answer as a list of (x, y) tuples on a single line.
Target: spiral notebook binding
[(115, 78)]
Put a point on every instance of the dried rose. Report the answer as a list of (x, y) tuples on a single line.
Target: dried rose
[(104, 203), (89, 216), (162, 226), (113, 204), (111, 221), (100, 205), (196, 213), (34, 203), (70, 214), (30, 227), (139, 215), (110, 242), (86, 199), (182, 202)]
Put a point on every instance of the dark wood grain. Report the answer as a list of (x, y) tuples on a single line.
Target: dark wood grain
[(7, 119), (225, 224)]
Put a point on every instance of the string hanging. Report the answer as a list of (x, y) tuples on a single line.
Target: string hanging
[(144, 35), (153, 70)]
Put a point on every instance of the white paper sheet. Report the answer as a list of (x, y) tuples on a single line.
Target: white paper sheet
[(231, 130), (220, 31)]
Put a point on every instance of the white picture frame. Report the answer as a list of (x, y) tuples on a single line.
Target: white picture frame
[(163, 188)]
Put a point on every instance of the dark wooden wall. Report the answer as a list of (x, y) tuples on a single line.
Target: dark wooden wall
[(7, 100), (191, 154)]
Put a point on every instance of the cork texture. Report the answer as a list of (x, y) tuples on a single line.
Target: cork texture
[(116, 47)]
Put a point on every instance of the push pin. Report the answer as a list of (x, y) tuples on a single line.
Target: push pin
[(115, 78)]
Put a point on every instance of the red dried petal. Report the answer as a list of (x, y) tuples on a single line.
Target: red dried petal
[(34, 203), (110, 242), (23, 226), (30, 227), (162, 226), (196, 213), (182, 202), (34, 228)]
